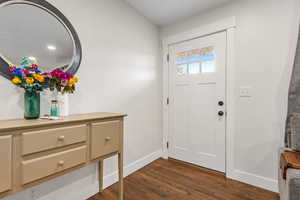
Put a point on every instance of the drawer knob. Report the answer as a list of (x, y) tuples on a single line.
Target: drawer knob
[(107, 139), (61, 163), (61, 138)]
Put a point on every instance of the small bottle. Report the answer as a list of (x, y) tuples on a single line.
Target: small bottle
[(54, 108)]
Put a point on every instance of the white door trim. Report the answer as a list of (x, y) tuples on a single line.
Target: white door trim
[(228, 25)]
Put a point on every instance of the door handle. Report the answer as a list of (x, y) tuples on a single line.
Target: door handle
[(220, 113)]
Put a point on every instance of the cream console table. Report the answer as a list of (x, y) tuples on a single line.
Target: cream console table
[(34, 151)]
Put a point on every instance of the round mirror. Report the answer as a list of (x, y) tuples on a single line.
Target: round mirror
[(37, 30)]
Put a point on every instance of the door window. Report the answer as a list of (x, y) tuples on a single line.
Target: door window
[(208, 66), (196, 61)]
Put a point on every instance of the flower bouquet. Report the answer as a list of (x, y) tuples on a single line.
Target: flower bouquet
[(29, 77), (61, 81)]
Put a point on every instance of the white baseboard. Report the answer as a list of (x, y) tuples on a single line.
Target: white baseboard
[(88, 186), (84, 193), (255, 180), (131, 168), (241, 176), (245, 177)]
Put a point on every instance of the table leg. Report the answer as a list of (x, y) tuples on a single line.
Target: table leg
[(100, 176), (121, 184)]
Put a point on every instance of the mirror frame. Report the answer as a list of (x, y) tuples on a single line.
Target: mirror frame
[(42, 4)]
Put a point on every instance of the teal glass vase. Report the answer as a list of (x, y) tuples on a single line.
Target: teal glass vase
[(31, 105)]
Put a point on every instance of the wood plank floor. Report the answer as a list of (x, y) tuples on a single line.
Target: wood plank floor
[(174, 180)]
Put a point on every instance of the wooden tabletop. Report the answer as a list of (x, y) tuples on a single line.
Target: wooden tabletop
[(17, 124)]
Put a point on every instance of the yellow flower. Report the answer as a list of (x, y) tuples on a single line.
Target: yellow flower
[(29, 80), (39, 77), (72, 81), (34, 75), (75, 79), (16, 80)]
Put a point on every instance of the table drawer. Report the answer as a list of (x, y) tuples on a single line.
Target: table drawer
[(37, 141), (105, 138), (47, 165), (6, 165)]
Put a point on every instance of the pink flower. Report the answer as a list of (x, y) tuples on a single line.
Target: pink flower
[(64, 82), (12, 68), (47, 75), (34, 66), (56, 73), (65, 76), (25, 72), (61, 75)]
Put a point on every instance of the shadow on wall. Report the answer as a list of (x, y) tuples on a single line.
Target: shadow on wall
[(55, 189)]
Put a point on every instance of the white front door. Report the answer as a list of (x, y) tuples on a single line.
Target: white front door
[(197, 101)]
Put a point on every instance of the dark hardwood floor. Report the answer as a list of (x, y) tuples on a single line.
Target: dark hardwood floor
[(174, 180)]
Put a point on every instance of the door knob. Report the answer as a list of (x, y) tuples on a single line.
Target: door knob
[(220, 113), (221, 103)]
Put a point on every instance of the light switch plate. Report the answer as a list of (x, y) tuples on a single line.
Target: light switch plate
[(246, 91)]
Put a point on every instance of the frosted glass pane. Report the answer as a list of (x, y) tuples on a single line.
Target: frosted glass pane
[(182, 69), (208, 67), (194, 68)]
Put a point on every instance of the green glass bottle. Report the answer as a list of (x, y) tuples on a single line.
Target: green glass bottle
[(32, 105), (54, 108)]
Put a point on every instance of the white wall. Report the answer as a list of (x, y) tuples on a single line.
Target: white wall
[(265, 29), (120, 72)]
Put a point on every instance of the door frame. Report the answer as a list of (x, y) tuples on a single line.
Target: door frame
[(227, 25)]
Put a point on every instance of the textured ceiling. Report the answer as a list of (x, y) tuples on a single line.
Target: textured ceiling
[(165, 12)]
